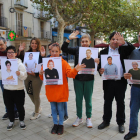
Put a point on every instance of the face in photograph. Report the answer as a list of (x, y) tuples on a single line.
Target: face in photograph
[(85, 42), (88, 53), (8, 65), (135, 65), (50, 64), (109, 59), (30, 56)]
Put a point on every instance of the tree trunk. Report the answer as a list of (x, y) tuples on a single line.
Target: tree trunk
[(92, 34), (60, 33)]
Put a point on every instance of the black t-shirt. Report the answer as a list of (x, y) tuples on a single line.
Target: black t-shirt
[(89, 63), (53, 74)]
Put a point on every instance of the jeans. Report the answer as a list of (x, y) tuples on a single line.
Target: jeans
[(134, 109), (1, 85), (60, 108), (65, 109)]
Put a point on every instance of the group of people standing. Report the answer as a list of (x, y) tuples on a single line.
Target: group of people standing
[(58, 95)]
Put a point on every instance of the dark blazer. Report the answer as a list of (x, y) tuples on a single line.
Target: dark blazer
[(124, 52)]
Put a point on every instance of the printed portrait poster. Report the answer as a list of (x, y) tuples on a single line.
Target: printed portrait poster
[(87, 56), (133, 67), (8, 71), (1, 59), (31, 61), (111, 65), (52, 68)]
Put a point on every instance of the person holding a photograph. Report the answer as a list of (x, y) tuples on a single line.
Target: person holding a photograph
[(9, 73), (135, 94), (33, 79), (58, 94), (83, 83), (110, 68), (51, 72), (3, 52), (88, 61), (31, 63), (115, 88), (14, 94)]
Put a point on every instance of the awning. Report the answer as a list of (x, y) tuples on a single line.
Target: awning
[(65, 34)]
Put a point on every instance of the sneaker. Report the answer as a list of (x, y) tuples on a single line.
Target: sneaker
[(40, 109), (22, 125), (77, 122), (89, 123), (65, 118), (10, 126), (5, 116), (60, 129), (50, 116), (33, 114), (54, 129), (36, 115), (16, 116)]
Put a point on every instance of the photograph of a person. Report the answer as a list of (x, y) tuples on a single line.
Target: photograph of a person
[(52, 68), (51, 72), (8, 70), (111, 66), (88, 57), (133, 68), (31, 61)]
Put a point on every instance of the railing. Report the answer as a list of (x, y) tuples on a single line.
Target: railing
[(3, 22), (21, 4), (44, 34), (22, 31)]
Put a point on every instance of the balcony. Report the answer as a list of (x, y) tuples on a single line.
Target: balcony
[(21, 4), (22, 31), (3, 22), (45, 34)]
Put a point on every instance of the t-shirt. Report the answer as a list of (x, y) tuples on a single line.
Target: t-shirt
[(88, 62), (135, 74), (110, 69), (31, 65), (53, 74)]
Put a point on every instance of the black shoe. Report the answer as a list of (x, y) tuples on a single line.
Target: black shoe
[(103, 125), (60, 129), (22, 125), (121, 128), (66, 118), (16, 116), (10, 126), (54, 129), (5, 116), (129, 136)]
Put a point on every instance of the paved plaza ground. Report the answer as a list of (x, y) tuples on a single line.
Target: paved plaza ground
[(40, 129)]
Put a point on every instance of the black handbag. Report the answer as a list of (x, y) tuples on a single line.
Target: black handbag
[(30, 88)]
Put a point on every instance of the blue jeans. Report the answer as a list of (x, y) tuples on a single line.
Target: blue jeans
[(65, 109), (134, 109), (60, 108), (1, 85)]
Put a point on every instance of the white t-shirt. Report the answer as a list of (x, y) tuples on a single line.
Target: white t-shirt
[(30, 65)]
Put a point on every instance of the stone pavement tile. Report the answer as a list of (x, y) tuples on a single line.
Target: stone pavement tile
[(37, 129), (86, 136), (96, 138), (95, 132), (104, 136), (69, 136), (35, 137), (12, 132), (17, 136), (6, 139), (25, 132), (79, 138), (77, 132), (2, 135)]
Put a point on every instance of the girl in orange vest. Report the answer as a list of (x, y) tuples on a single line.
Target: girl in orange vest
[(58, 94)]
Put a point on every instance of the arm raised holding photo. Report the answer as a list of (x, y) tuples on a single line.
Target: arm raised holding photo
[(127, 75)]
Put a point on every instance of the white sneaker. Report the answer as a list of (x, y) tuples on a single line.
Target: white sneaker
[(36, 115), (50, 116), (89, 123), (77, 122), (40, 109)]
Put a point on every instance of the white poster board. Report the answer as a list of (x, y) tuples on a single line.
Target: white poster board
[(8, 71), (31, 61), (1, 59), (111, 65), (133, 67), (87, 56), (52, 68)]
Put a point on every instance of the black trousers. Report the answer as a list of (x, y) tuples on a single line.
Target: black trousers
[(115, 89), (16, 97)]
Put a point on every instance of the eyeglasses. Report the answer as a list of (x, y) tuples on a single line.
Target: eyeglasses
[(10, 52)]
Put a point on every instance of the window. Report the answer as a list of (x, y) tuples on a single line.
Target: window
[(19, 21)]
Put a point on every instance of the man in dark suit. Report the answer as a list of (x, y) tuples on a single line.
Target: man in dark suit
[(115, 88)]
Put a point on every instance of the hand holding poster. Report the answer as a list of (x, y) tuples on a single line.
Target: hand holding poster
[(31, 61), (8, 71), (111, 65), (132, 67), (87, 56), (52, 68)]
